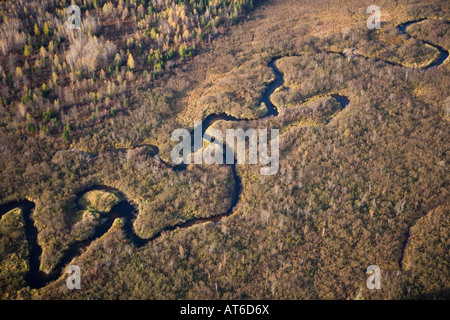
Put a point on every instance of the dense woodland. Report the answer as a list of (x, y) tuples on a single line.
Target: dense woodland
[(13, 253), (360, 186), (56, 80)]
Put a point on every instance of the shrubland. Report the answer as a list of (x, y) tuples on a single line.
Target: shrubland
[(13, 255), (368, 187)]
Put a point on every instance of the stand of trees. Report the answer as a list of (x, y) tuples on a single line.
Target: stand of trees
[(369, 187), (53, 76)]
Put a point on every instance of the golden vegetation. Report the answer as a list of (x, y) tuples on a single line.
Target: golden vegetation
[(344, 198), (99, 200), (13, 254)]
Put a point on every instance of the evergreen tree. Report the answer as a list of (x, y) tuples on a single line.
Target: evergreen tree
[(27, 51), (66, 132)]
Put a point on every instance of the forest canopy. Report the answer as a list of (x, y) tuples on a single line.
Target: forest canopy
[(360, 183)]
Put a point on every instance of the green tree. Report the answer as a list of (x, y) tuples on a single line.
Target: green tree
[(27, 51), (66, 132), (47, 115), (184, 51), (44, 129)]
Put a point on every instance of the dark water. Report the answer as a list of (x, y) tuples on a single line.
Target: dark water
[(127, 210), (443, 52), (342, 100), (36, 278), (271, 109), (33, 276)]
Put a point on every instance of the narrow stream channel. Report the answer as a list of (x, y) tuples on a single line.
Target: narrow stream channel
[(127, 210)]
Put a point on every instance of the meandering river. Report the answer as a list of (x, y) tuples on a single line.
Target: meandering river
[(127, 210)]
